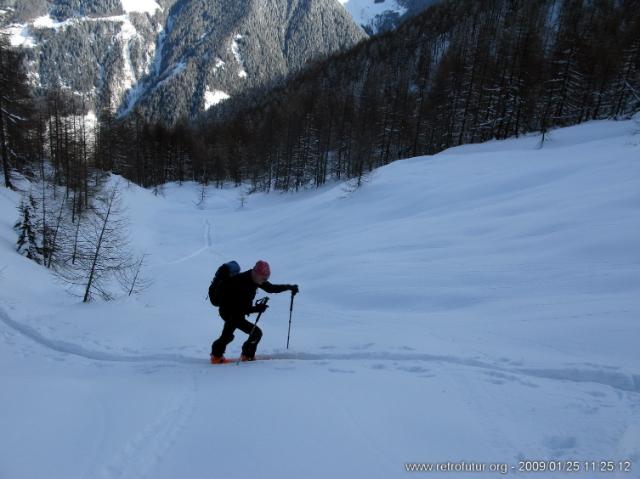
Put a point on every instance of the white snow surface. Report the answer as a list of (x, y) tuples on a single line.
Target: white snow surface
[(219, 64), (48, 22), (364, 12), (213, 97), (235, 49), (19, 35), (171, 72), (141, 6), (477, 305)]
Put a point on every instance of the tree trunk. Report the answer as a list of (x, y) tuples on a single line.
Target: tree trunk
[(5, 154)]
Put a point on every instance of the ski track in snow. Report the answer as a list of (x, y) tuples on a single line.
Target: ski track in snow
[(142, 453), (208, 245), (208, 239), (629, 382), (384, 404)]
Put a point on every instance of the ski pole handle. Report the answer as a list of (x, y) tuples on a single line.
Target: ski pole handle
[(260, 301)]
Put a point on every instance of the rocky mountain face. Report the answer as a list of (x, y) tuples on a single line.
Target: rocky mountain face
[(169, 59)]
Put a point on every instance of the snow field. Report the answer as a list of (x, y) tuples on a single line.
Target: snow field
[(477, 305)]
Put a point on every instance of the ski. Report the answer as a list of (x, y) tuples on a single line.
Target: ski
[(235, 360)]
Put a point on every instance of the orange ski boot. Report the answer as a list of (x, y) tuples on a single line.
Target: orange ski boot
[(218, 359)]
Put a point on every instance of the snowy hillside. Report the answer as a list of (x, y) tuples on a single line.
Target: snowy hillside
[(366, 12), (377, 16), (480, 305), (162, 57)]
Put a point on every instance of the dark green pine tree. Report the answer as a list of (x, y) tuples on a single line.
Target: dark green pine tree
[(26, 244)]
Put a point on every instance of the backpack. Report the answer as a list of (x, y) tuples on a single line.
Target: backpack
[(223, 273)]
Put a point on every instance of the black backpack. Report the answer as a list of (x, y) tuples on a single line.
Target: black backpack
[(224, 272)]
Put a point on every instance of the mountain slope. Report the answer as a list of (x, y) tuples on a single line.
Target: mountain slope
[(476, 305), (245, 45), (377, 16), (173, 58), (461, 72)]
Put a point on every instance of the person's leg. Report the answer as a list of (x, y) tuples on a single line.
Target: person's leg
[(250, 345), (220, 345)]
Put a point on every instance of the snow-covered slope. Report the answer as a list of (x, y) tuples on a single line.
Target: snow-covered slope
[(478, 305), (366, 12), (376, 16)]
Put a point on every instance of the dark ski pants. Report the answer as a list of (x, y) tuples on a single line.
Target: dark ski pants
[(231, 323)]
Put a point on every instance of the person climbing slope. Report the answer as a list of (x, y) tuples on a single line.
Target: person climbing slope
[(235, 299)]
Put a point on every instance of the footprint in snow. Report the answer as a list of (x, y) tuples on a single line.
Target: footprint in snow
[(414, 369), (342, 371), (362, 347), (597, 394), (496, 377)]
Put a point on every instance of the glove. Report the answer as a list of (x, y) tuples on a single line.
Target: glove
[(294, 288), (259, 308)]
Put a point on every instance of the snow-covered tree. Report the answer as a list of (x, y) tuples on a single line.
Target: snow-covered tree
[(101, 255), (26, 229)]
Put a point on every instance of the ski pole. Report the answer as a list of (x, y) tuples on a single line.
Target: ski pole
[(260, 301), (290, 314)]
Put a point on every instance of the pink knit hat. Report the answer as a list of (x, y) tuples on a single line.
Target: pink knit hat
[(262, 269)]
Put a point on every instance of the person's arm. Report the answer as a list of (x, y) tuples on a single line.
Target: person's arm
[(277, 288)]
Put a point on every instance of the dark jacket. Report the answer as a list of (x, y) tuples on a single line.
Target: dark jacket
[(239, 291)]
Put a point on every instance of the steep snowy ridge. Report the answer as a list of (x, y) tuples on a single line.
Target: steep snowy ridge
[(377, 16), (479, 305), (365, 12)]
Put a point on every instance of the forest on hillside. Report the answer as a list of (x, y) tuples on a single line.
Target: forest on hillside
[(461, 72)]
